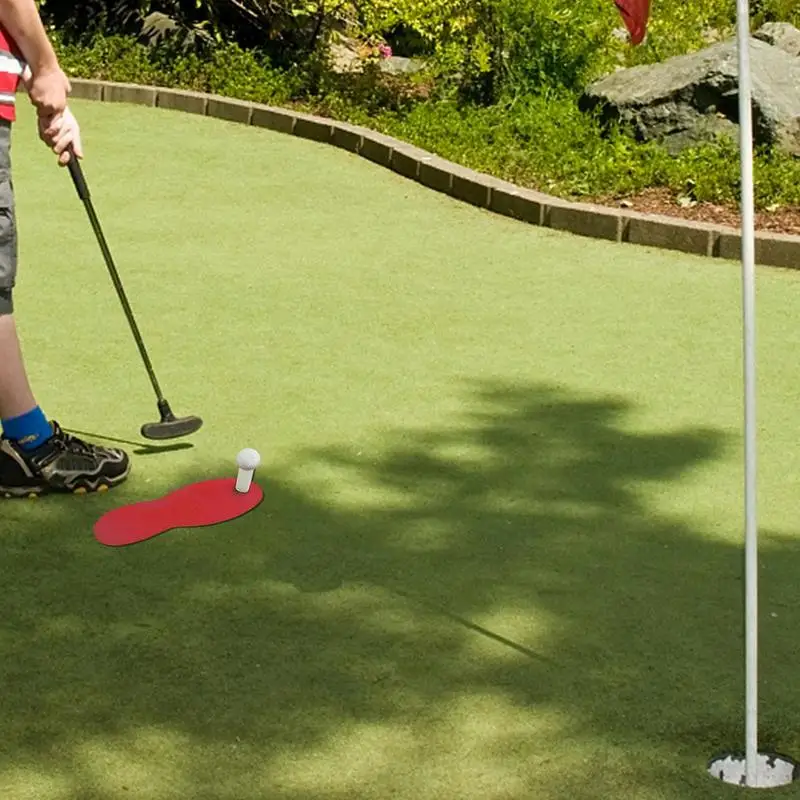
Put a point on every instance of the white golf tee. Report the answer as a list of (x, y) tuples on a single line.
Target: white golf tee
[(247, 461)]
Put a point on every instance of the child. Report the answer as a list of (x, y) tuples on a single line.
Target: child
[(36, 455)]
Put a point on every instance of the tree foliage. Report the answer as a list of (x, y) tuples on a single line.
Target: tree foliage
[(486, 49)]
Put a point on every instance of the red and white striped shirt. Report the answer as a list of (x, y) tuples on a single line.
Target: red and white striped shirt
[(12, 65)]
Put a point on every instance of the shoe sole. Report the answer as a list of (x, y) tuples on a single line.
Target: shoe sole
[(32, 492)]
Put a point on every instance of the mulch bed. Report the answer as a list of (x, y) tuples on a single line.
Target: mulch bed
[(661, 201)]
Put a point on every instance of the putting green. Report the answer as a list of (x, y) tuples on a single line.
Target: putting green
[(499, 554)]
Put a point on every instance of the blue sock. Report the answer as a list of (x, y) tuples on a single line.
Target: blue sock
[(30, 430)]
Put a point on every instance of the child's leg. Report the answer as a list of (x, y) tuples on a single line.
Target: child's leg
[(20, 417), (16, 397), (22, 420), (36, 455)]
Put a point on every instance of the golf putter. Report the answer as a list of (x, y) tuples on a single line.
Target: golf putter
[(169, 426)]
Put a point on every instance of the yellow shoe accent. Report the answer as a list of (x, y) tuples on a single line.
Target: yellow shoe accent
[(32, 496), (102, 488), (80, 490)]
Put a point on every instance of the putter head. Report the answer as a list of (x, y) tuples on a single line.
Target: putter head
[(170, 427)]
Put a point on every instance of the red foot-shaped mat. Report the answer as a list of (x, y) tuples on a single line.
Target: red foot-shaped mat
[(192, 506)]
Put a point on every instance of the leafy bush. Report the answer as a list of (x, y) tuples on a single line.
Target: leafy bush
[(228, 70), (537, 138), (114, 58), (482, 50), (502, 47), (286, 31), (545, 143), (775, 11)]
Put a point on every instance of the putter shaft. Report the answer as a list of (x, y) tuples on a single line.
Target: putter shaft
[(82, 189)]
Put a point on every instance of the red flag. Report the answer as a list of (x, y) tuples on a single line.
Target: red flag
[(635, 14)]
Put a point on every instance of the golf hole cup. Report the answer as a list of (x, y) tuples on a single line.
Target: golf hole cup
[(771, 770), (247, 461)]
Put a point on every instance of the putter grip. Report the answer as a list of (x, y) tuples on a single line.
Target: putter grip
[(78, 179)]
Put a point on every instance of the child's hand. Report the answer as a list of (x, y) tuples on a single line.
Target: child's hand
[(48, 91), (59, 132)]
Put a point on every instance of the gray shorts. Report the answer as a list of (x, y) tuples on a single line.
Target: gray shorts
[(8, 223)]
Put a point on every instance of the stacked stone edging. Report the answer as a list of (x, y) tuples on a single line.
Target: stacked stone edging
[(478, 189)]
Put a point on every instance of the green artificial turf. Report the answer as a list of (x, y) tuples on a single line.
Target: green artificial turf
[(500, 551)]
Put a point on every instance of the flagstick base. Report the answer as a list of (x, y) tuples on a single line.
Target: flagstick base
[(772, 770)]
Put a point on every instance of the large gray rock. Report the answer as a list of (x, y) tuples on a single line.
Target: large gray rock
[(781, 35), (691, 98)]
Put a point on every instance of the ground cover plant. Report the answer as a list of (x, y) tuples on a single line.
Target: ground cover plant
[(499, 93)]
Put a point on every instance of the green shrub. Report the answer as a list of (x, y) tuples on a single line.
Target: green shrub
[(504, 48), (240, 73), (288, 31), (114, 58), (545, 143), (677, 27), (228, 69), (483, 50), (775, 11), (540, 140)]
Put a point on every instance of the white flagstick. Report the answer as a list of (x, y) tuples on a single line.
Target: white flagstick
[(759, 769), (748, 296)]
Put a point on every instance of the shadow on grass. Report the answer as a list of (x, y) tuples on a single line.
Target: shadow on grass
[(142, 448), (491, 610)]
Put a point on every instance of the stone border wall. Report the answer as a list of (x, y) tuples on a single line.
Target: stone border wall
[(478, 189)]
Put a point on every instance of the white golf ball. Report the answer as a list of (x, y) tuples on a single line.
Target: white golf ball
[(248, 459)]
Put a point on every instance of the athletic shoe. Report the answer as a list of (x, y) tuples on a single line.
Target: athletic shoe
[(62, 464)]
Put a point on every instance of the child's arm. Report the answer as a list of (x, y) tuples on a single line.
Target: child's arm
[(22, 21), (47, 85)]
